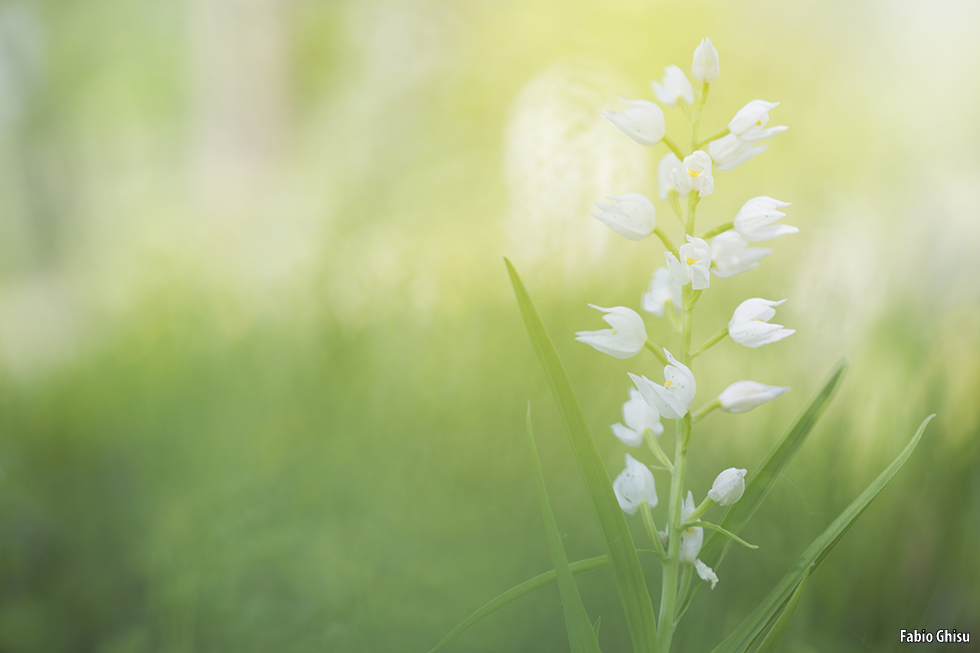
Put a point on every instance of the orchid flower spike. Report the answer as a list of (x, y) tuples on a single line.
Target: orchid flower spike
[(634, 486), (643, 121), (728, 152), (673, 87), (665, 174), (692, 268), (639, 416), (705, 67), (694, 174), (692, 538), (662, 289), (743, 396), (754, 221), (634, 218), (728, 487), (706, 573), (748, 123), (731, 255), (626, 338), (672, 399), (750, 326)]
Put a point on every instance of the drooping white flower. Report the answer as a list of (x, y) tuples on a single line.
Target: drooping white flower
[(743, 396), (626, 337), (639, 416), (668, 164), (643, 121), (748, 123), (634, 485), (728, 152), (691, 538), (693, 265), (754, 221), (728, 486), (634, 218), (662, 289), (673, 87), (705, 67), (731, 255), (694, 174), (706, 573), (750, 326), (672, 399)]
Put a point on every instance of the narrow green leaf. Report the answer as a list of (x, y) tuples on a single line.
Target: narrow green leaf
[(815, 554), (595, 628), (719, 529), (581, 637), (775, 634), (525, 588), (612, 523)]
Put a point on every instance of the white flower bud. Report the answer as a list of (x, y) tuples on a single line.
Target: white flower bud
[(643, 122), (705, 572), (662, 289), (626, 338), (694, 174), (668, 164), (748, 123), (743, 396), (754, 221), (749, 324), (692, 538), (693, 265), (634, 218), (634, 485), (728, 152), (672, 399), (731, 255), (728, 487), (639, 416), (674, 87), (705, 67)]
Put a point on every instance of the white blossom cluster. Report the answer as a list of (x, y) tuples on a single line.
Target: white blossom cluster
[(722, 252)]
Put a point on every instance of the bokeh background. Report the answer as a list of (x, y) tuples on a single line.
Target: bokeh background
[(262, 377)]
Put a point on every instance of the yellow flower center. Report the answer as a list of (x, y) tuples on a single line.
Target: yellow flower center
[(693, 173), (668, 383), (758, 122), (690, 261)]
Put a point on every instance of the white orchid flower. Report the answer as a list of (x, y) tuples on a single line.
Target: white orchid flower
[(634, 486), (691, 538), (672, 399), (694, 174), (728, 486), (748, 123), (626, 337), (750, 326), (693, 266), (743, 396), (673, 87), (634, 218), (643, 121), (662, 289), (705, 67), (731, 255), (706, 573), (754, 221), (728, 152), (668, 164), (639, 416)]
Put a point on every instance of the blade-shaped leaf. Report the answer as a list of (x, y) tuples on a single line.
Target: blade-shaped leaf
[(815, 554), (525, 588), (612, 523), (581, 637), (775, 634)]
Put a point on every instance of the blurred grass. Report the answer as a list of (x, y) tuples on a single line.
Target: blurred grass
[(262, 377)]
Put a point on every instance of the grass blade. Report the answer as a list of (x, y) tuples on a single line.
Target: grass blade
[(630, 583), (775, 634), (581, 637), (815, 554)]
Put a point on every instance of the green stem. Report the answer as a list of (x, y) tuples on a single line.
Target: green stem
[(665, 239), (716, 527), (656, 349), (673, 148), (700, 510), (657, 451), (685, 586), (697, 121), (710, 342), (692, 203), (703, 411), (724, 132), (672, 316), (675, 204), (717, 230), (652, 530), (686, 109)]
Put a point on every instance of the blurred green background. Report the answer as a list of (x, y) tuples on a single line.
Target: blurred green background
[(262, 377)]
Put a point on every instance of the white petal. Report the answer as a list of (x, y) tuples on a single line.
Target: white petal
[(706, 573)]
